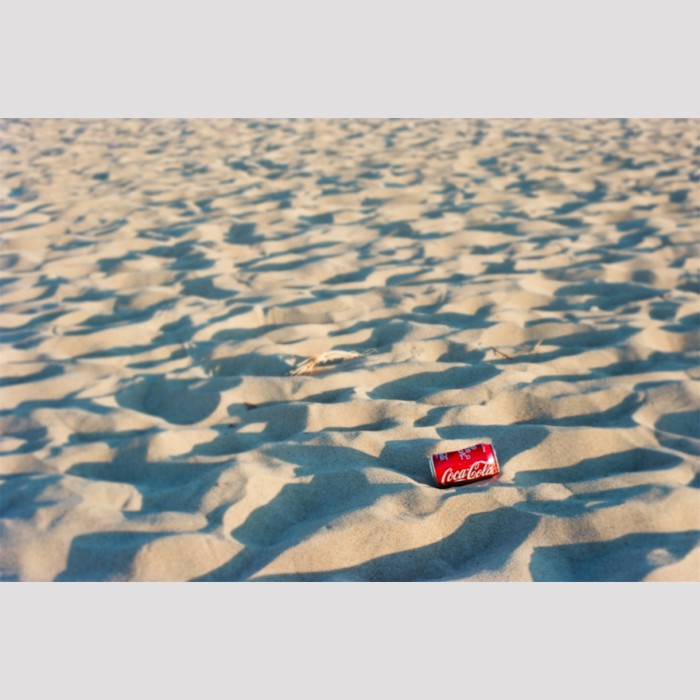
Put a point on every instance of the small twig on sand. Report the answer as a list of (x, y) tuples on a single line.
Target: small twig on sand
[(309, 366), (518, 351), (502, 354), (536, 347)]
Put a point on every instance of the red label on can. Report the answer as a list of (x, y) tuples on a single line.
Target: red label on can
[(464, 466)]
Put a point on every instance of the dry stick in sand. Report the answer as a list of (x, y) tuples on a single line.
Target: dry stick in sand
[(510, 357), (309, 366), (502, 354), (533, 349)]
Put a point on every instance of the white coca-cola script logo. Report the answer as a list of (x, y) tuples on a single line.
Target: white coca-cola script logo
[(476, 470)]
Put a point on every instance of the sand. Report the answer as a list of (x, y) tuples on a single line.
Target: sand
[(531, 283)]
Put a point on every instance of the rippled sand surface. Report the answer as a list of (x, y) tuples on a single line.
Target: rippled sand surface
[(531, 283)]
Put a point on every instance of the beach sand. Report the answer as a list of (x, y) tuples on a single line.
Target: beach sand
[(530, 283)]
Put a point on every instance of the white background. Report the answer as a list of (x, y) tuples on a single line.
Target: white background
[(370, 58)]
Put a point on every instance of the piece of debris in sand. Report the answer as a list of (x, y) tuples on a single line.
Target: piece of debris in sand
[(313, 364)]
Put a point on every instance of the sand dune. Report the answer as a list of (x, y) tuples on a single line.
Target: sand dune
[(531, 283)]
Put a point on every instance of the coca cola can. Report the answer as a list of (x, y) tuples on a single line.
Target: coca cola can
[(463, 466)]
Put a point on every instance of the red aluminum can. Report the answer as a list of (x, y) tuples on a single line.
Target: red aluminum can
[(464, 466)]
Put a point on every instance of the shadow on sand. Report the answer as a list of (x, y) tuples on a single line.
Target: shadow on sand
[(628, 558)]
